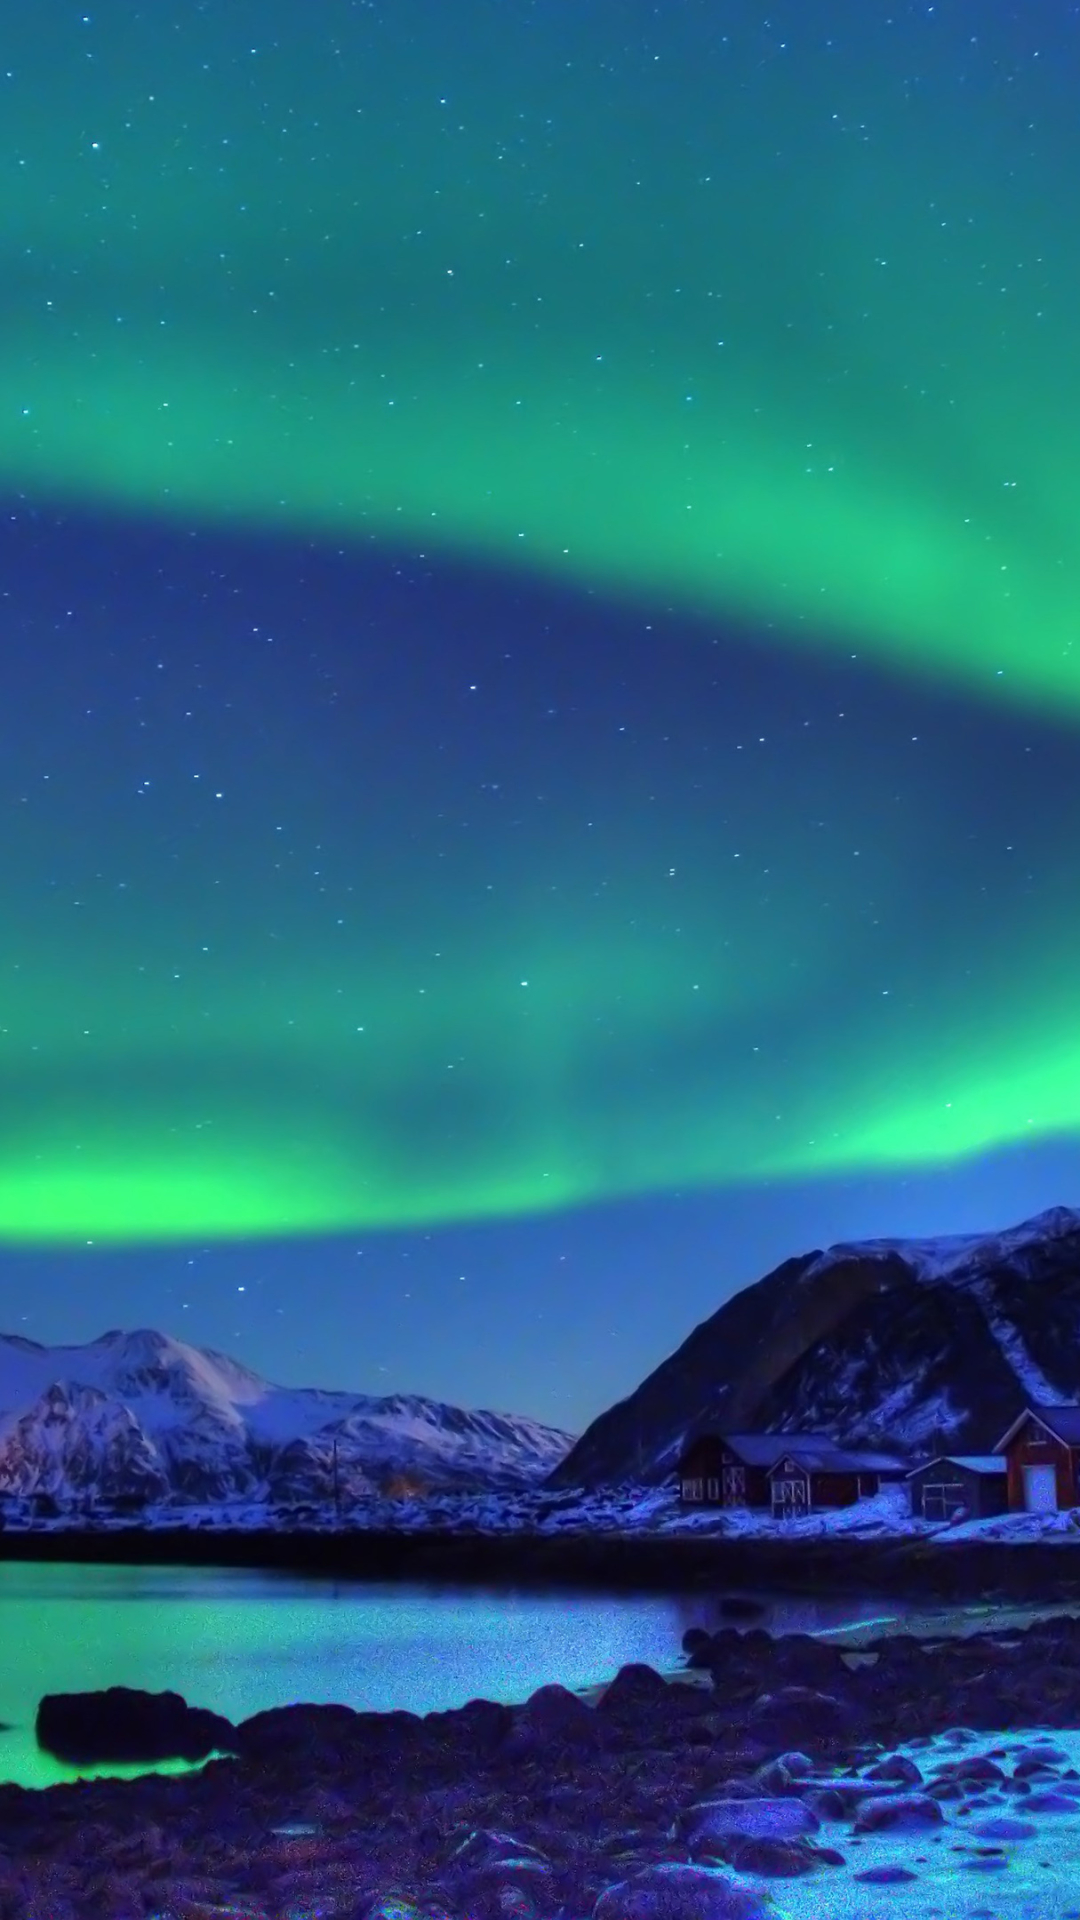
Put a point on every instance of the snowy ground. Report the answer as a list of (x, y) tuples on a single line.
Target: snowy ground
[(995, 1858), (649, 1512)]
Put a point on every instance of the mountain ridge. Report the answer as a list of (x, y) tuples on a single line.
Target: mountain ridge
[(143, 1416), (890, 1342)]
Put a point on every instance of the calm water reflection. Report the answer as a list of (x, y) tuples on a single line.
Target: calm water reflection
[(238, 1641)]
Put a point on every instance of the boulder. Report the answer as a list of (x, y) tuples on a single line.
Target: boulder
[(550, 1716), (124, 1724), (674, 1891), (711, 1820), (897, 1766), (899, 1813), (696, 1638), (634, 1687)]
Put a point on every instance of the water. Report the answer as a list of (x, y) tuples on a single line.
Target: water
[(239, 1641)]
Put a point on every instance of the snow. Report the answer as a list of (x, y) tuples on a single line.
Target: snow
[(1013, 1351), (978, 1462), (948, 1255), (959, 1874), (200, 1408), (645, 1512)]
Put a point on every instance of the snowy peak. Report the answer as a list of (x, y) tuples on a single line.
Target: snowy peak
[(909, 1344), (950, 1256), (74, 1437), (155, 1362), (141, 1415)]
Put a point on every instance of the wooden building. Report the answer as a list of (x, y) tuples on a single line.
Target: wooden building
[(952, 1484), (785, 1473), (1042, 1458)]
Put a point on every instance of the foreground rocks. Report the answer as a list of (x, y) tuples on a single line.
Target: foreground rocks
[(126, 1724), (662, 1802)]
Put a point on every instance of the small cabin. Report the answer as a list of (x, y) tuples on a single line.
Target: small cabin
[(786, 1474), (974, 1485), (1042, 1459)]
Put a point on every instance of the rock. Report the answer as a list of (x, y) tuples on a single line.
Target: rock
[(635, 1686), (737, 1606), (695, 1637), (551, 1714), (773, 1859), (124, 1724), (711, 1820), (899, 1813), (976, 1767), (479, 1724), (674, 1891), (279, 1735), (896, 1767), (485, 1847), (1046, 1801), (1027, 1758), (1032, 1767), (827, 1803), (487, 1884), (808, 1701), (787, 1770), (1003, 1827)]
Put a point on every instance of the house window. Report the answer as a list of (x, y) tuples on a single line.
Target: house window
[(734, 1486), (941, 1500), (693, 1489), (714, 1489)]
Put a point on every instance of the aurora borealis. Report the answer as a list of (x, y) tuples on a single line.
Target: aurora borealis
[(540, 681)]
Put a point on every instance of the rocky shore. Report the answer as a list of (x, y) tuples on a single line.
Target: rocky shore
[(661, 1801), (904, 1568)]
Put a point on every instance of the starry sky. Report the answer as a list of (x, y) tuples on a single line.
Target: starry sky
[(540, 666)]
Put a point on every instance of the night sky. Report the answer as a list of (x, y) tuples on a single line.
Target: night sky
[(539, 666)]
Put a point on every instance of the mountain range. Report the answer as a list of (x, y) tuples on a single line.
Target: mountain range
[(140, 1417), (912, 1345), (904, 1344)]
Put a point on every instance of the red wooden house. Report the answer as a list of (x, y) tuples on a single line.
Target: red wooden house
[(1042, 1458), (785, 1473)]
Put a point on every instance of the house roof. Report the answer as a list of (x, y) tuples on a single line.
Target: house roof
[(816, 1450), (761, 1449), (1062, 1422), (974, 1462), (833, 1459)]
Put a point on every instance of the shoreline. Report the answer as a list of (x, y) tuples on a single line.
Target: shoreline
[(625, 1563), (352, 1813)]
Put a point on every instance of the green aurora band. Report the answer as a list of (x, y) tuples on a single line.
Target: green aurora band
[(783, 333)]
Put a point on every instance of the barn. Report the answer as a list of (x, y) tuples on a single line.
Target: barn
[(974, 1484), (782, 1473), (1042, 1457)]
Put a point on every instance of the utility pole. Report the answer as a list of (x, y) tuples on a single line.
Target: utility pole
[(337, 1483)]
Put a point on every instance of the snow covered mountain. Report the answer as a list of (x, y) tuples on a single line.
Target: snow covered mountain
[(910, 1344), (141, 1417)]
